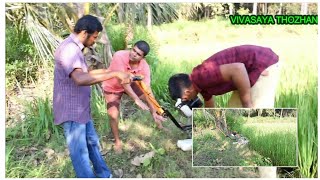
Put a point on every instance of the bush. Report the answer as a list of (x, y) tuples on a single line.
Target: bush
[(20, 55), (243, 11), (117, 34)]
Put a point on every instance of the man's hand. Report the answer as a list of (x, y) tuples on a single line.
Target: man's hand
[(157, 117), (142, 105), (125, 78)]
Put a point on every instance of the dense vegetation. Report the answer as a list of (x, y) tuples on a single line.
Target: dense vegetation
[(176, 47)]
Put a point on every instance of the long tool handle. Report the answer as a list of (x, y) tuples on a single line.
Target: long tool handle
[(147, 93), (159, 109)]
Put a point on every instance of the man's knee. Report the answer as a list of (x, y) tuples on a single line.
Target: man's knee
[(93, 141), (113, 110), (113, 116)]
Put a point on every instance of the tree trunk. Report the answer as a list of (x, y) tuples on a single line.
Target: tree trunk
[(254, 11), (280, 9), (107, 48), (304, 8), (259, 112), (80, 9), (130, 20), (149, 24), (121, 13), (220, 120), (231, 6), (265, 8)]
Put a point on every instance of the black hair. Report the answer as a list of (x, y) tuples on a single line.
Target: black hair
[(143, 46), (88, 23), (177, 83)]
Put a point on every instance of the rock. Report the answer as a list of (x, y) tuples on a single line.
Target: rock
[(118, 173), (140, 159), (132, 168), (185, 145)]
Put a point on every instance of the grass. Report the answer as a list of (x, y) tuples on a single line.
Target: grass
[(179, 47), (276, 140), (273, 141), (297, 49), (211, 148)]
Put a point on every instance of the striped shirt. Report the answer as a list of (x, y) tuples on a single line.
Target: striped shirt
[(207, 78), (70, 101)]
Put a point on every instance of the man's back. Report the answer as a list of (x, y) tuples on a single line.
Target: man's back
[(207, 76)]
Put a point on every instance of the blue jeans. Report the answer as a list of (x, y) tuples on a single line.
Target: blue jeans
[(83, 144)]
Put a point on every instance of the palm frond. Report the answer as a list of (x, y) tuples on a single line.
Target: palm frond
[(44, 41), (164, 12)]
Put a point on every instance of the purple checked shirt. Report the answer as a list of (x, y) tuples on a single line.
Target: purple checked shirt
[(70, 101)]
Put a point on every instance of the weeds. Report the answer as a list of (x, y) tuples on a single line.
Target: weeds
[(182, 47)]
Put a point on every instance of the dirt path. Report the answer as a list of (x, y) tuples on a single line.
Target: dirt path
[(212, 148)]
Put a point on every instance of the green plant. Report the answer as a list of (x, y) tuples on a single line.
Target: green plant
[(20, 54), (40, 120), (116, 33), (243, 11), (99, 110), (154, 162)]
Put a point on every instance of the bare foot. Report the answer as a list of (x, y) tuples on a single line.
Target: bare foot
[(117, 148)]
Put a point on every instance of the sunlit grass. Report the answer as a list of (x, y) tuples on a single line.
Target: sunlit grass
[(297, 48), (276, 140), (181, 46)]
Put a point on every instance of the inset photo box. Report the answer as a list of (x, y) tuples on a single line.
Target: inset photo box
[(245, 137)]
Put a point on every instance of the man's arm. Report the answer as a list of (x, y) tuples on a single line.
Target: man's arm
[(86, 79), (99, 71), (127, 88), (237, 73)]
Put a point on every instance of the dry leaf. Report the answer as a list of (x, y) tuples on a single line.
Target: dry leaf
[(140, 159)]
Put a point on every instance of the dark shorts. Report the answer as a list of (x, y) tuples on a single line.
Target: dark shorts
[(113, 99)]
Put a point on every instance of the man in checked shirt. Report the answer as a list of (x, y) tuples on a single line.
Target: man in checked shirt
[(72, 96), (250, 71)]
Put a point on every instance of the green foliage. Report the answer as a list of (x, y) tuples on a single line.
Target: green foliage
[(99, 110), (275, 139), (18, 45), (155, 161), (9, 149), (279, 146), (292, 8), (20, 54), (200, 121), (234, 122), (243, 11), (313, 8), (40, 120), (178, 53), (116, 34)]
